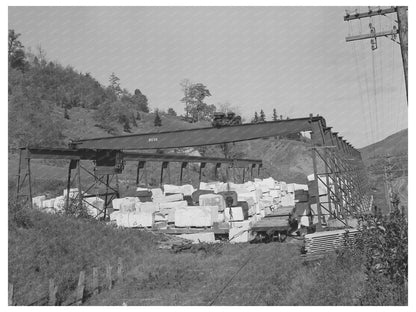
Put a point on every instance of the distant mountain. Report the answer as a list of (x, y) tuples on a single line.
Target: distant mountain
[(394, 144)]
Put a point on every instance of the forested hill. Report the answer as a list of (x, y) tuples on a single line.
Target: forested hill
[(50, 103), (41, 94)]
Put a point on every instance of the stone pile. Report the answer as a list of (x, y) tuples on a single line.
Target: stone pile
[(93, 204)]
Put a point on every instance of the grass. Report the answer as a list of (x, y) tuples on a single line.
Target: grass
[(45, 246)]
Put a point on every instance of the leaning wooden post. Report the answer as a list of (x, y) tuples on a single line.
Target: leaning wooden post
[(52, 292), (30, 181), (79, 185), (108, 277), (80, 288), (11, 288), (94, 280), (120, 270)]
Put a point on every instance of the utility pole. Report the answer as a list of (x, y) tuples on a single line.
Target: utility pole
[(402, 31), (403, 27)]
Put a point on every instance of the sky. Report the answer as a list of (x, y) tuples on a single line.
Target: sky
[(293, 59)]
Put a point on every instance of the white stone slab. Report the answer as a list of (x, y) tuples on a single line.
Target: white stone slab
[(221, 217), (169, 198), (187, 189), (126, 204), (234, 214), (193, 216), (59, 204), (239, 235), (73, 192), (250, 198), (135, 219), (157, 193), (114, 215), (173, 189), (274, 193), (147, 207), (173, 205), (94, 206), (142, 189), (212, 200), (38, 200), (304, 220)]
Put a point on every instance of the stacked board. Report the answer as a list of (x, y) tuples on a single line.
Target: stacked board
[(318, 245)]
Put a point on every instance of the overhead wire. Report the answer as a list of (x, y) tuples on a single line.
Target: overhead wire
[(362, 106), (380, 57), (375, 89)]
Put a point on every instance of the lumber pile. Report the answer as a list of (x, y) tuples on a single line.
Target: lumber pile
[(319, 244)]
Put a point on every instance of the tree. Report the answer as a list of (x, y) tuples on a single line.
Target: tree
[(140, 101), (66, 115), (16, 54), (158, 121), (115, 84), (262, 117), (194, 95), (228, 108), (171, 112), (274, 114), (256, 118)]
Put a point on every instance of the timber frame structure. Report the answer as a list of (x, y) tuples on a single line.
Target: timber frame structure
[(337, 165)]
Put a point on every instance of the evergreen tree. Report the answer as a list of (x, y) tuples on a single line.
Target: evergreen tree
[(66, 115), (256, 118), (158, 120), (274, 114), (262, 117)]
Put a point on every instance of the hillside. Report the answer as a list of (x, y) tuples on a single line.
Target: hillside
[(394, 144)]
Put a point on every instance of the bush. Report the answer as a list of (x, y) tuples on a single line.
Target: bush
[(385, 247)]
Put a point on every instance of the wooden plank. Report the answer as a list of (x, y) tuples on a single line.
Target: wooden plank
[(52, 292), (94, 285), (80, 288), (11, 297), (120, 270), (108, 277)]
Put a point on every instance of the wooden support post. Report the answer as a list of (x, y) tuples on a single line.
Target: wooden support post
[(403, 33), (217, 166), (183, 166), (140, 165), (117, 186), (108, 277), (80, 288), (68, 184), (11, 294), (52, 292), (244, 174), (164, 166), (19, 170), (120, 270), (94, 285), (79, 185), (201, 166), (106, 195), (327, 173), (138, 174), (318, 203), (30, 182)]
